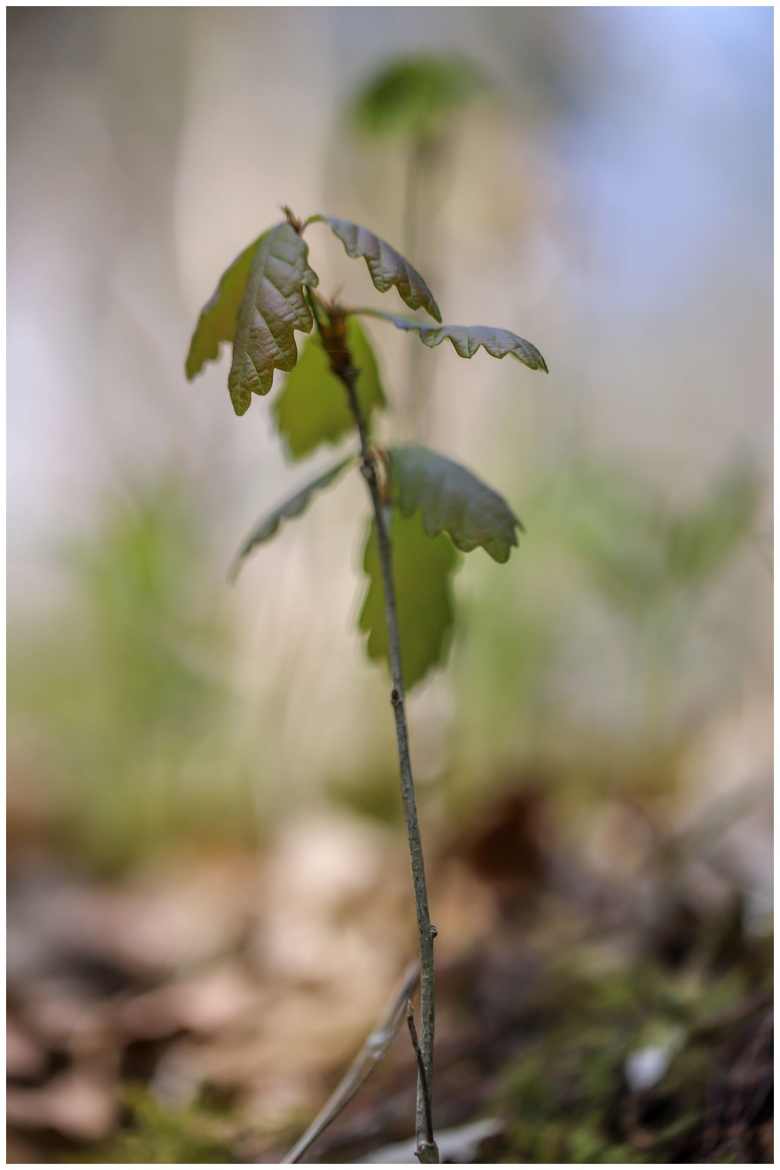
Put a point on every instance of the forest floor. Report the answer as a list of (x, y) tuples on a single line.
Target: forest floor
[(202, 1009)]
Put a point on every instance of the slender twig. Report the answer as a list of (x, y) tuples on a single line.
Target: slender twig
[(375, 1047), (421, 1070), (333, 336)]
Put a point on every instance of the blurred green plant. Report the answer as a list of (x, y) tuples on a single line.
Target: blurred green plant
[(653, 563), (602, 538), (638, 551), (415, 97), (127, 684)]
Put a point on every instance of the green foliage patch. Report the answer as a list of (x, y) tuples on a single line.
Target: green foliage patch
[(273, 306), (422, 569), (312, 407), (467, 339), (387, 268), (452, 500), (218, 317), (288, 510), (333, 388), (415, 96)]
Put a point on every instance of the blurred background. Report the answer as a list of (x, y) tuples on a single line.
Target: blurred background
[(208, 896)]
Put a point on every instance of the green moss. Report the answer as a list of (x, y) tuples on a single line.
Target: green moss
[(565, 1097), (154, 1133), (560, 1095)]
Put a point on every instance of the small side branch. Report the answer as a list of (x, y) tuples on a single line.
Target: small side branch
[(426, 1149), (375, 1047)]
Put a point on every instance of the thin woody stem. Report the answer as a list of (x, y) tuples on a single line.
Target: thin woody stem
[(334, 341)]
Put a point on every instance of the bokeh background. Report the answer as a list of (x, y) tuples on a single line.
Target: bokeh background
[(202, 787)]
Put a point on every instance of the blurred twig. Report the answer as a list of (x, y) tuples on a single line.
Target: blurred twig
[(375, 1047)]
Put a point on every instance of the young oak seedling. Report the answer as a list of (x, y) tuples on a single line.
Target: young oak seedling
[(424, 505)]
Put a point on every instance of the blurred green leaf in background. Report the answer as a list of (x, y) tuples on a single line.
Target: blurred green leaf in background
[(614, 575), (415, 96)]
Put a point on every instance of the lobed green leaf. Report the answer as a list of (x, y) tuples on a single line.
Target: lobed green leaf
[(312, 407), (287, 510), (218, 317), (387, 268), (467, 339), (273, 306), (422, 573), (451, 499)]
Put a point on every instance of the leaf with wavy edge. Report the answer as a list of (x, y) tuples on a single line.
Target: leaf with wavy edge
[(422, 572), (296, 504), (466, 339), (218, 317), (312, 407), (273, 306), (452, 500), (386, 267)]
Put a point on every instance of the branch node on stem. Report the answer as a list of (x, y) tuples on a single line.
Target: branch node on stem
[(367, 469), (295, 223), (427, 1152)]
